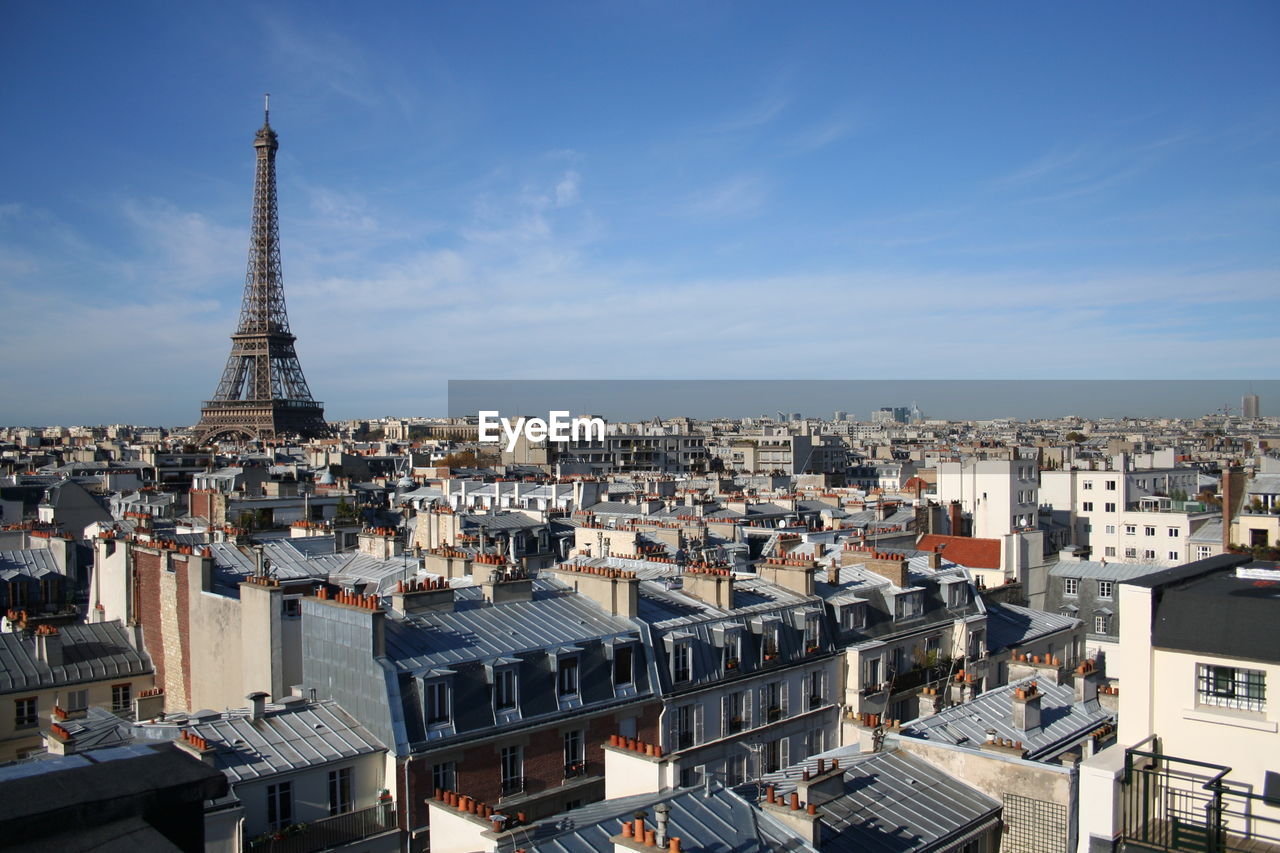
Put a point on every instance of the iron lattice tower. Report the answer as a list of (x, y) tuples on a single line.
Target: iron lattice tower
[(263, 393)]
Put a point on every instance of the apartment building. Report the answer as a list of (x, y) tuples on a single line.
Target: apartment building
[(997, 496), (1195, 764)]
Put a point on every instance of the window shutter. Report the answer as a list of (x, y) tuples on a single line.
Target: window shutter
[(726, 711), (697, 724), (784, 751), (748, 708), (784, 691), (673, 730)]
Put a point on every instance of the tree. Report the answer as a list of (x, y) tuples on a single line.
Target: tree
[(1075, 437)]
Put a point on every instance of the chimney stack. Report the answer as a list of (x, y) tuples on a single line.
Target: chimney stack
[(49, 645), (957, 518), (257, 705), (1086, 682), (1232, 493), (1026, 707)]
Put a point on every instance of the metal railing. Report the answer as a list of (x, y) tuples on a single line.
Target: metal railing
[(328, 832), (1178, 804), (513, 785)]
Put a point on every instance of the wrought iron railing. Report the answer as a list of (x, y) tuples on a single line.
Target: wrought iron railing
[(327, 832), (1178, 804)]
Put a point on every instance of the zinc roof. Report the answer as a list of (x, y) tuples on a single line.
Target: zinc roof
[(1102, 570), (1064, 722), (91, 652)]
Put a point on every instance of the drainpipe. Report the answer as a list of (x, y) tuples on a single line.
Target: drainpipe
[(408, 808)]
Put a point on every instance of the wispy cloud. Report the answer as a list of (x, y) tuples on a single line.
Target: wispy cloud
[(739, 196)]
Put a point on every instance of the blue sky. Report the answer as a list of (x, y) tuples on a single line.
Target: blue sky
[(636, 190)]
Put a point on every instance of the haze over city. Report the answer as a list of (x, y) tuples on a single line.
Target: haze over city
[(636, 191)]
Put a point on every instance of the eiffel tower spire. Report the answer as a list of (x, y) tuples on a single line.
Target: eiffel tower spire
[(263, 393)]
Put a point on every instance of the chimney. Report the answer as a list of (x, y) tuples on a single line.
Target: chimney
[(422, 596), (1086, 682), (1026, 707), (957, 518), (714, 586), (59, 741), (935, 559), (1232, 496), (663, 811), (257, 705), (891, 566), (48, 645), (613, 589)]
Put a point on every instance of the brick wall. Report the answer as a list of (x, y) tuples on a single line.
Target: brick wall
[(161, 606), (479, 767)]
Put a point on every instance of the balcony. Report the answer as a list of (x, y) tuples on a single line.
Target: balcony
[(815, 701), (512, 785), (575, 769), (772, 714), (1177, 804), (329, 832), (734, 725)]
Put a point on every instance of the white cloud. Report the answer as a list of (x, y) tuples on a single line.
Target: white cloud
[(741, 195)]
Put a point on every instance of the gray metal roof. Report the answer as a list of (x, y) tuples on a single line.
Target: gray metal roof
[(1264, 484), (708, 820), (1210, 532), (475, 630), (287, 738), (1064, 722), (1009, 625), (893, 802), (92, 652), (1102, 570), (501, 521), (33, 562)]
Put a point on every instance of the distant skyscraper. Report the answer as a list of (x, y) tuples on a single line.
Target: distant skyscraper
[(263, 393), (1249, 405), (840, 415)]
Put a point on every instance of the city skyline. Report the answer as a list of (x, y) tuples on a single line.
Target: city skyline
[(637, 192)]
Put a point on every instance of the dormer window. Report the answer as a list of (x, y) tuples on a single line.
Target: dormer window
[(769, 643), (682, 661), (908, 605), (504, 689), (853, 616), (437, 702), (812, 633), (624, 664), (568, 680), (731, 654)]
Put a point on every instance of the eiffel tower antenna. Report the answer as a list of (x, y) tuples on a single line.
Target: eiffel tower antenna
[(262, 394)]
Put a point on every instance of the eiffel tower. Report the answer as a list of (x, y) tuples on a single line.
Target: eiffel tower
[(263, 394)]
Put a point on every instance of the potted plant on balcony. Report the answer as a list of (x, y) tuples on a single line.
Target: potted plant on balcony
[(731, 663)]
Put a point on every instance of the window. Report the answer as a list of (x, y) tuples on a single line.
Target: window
[(121, 697), (569, 677), (769, 643), (1087, 485), (735, 712), (280, 805), (1111, 529), (624, 658), (1131, 530), (340, 791), (731, 653), (957, 594), (437, 700), (291, 608), (1111, 485), (511, 760), (773, 756), (25, 713), (1175, 532), (1149, 530), (1071, 586), (735, 770), (1149, 554), (1087, 506), (1231, 687), (77, 700), (1131, 553), (1104, 589), (815, 683), (853, 616), (686, 723), (1110, 507), (1174, 556), (682, 663), (574, 756), (811, 634), (1109, 551), (1203, 551), (908, 605), (1101, 622), (871, 671), (444, 775), (773, 701), (504, 689)]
